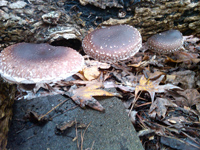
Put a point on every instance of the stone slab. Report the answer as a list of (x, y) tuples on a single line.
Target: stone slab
[(109, 130)]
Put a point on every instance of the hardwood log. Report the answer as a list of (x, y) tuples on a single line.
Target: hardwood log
[(47, 21), (7, 95)]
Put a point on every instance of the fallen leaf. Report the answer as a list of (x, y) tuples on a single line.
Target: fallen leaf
[(152, 86), (145, 63), (184, 57), (145, 132), (65, 125), (91, 73), (35, 118), (183, 144), (100, 65), (170, 78), (132, 115), (125, 88), (186, 79), (191, 39), (40, 90), (198, 107), (159, 107), (176, 124), (84, 95), (168, 59), (188, 97), (177, 120)]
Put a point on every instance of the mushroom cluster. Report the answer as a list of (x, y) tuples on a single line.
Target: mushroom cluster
[(166, 42), (27, 63), (112, 44)]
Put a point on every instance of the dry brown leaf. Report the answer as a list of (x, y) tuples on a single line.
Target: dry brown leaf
[(177, 123), (178, 143), (159, 107), (188, 97), (132, 115), (186, 79), (100, 65), (170, 78), (152, 86), (184, 57), (198, 107), (91, 73), (85, 95), (168, 59), (145, 63), (191, 39), (35, 118), (65, 125), (177, 120), (125, 88)]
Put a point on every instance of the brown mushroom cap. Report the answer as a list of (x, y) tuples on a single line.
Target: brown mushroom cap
[(26, 63), (113, 43), (166, 42)]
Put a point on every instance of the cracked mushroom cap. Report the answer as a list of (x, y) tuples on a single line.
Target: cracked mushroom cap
[(166, 42), (112, 44), (26, 63)]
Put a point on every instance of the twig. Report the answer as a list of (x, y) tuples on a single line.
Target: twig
[(82, 136), (19, 131), (52, 109), (92, 145), (190, 138), (76, 134), (65, 111), (133, 103)]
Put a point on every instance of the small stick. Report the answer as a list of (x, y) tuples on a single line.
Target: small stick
[(51, 110), (82, 137)]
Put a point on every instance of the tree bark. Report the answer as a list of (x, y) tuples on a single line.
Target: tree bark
[(7, 95), (150, 19), (36, 22)]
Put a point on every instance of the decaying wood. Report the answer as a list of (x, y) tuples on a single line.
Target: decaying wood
[(25, 21), (158, 17), (103, 3), (7, 95)]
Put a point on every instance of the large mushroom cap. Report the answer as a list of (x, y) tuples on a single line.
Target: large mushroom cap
[(113, 43), (166, 42), (26, 63)]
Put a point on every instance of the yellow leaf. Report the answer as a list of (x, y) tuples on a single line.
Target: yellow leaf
[(152, 86), (85, 95), (91, 73)]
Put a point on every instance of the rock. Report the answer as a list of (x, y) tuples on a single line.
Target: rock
[(109, 130)]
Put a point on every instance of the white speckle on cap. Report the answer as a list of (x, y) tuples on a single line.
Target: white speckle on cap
[(26, 63), (114, 42), (166, 42)]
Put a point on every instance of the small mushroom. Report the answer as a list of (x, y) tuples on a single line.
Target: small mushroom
[(27, 63), (112, 44), (166, 42)]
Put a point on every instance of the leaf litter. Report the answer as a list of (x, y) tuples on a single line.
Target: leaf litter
[(161, 94)]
